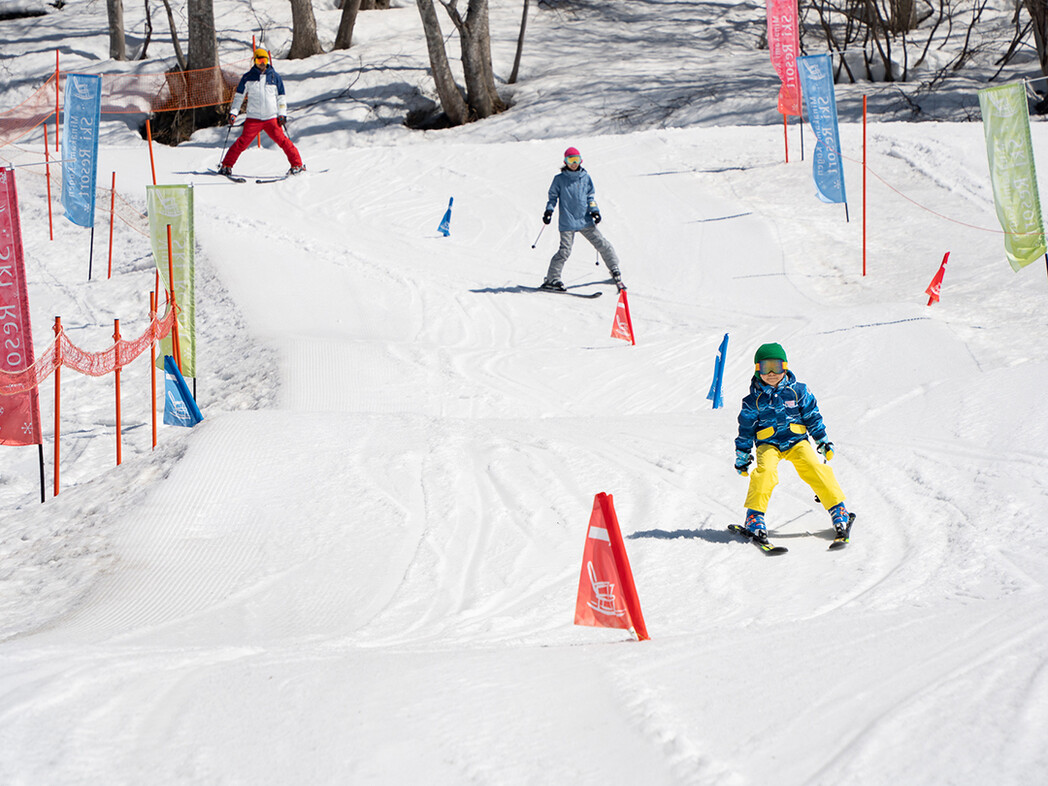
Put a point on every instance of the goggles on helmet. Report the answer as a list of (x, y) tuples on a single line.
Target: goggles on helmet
[(772, 366)]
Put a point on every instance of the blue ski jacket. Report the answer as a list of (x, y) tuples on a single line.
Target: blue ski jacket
[(781, 416), (264, 92), (577, 200)]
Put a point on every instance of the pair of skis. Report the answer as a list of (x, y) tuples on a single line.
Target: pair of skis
[(772, 550), (587, 295)]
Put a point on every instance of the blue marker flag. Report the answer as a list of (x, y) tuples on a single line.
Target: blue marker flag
[(83, 113), (445, 223), (180, 409), (718, 375), (817, 87)]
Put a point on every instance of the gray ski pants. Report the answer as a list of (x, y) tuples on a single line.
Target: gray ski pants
[(596, 239)]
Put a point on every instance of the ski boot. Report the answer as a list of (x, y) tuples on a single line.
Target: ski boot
[(755, 526), (556, 286), (616, 276)]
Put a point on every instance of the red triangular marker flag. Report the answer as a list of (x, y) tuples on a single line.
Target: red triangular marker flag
[(936, 286), (623, 326), (607, 597)]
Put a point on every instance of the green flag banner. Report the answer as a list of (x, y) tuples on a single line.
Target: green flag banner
[(1006, 124), (173, 205)]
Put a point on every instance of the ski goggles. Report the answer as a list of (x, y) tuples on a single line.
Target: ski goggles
[(772, 366), (572, 159), (261, 59)]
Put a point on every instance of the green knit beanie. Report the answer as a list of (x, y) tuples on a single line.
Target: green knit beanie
[(770, 352)]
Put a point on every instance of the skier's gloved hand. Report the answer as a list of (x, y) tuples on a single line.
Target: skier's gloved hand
[(826, 449), (743, 459), (281, 121), (595, 216), (232, 118), (547, 216)]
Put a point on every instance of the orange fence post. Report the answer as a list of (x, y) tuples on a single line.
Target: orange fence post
[(47, 171), (149, 139), (116, 374), (152, 360), (58, 394), (176, 348), (112, 203), (58, 103)]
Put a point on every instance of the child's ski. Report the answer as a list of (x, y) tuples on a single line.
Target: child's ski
[(766, 547), (841, 542)]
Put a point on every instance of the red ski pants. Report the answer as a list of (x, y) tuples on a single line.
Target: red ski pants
[(252, 128)]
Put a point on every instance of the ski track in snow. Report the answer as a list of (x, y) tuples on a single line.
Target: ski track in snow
[(361, 567)]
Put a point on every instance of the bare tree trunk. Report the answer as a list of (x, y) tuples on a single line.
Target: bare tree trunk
[(520, 45), (117, 42), (451, 99), (149, 31), (203, 48), (348, 20), (1038, 11), (304, 41), (370, 5), (475, 38), (181, 58)]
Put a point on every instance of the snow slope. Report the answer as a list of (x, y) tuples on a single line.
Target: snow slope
[(361, 567)]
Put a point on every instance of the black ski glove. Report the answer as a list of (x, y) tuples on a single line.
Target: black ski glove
[(281, 121), (595, 216), (547, 216)]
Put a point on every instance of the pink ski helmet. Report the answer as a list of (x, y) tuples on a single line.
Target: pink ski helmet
[(572, 152)]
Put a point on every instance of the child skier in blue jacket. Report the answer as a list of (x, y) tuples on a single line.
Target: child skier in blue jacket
[(573, 188), (779, 415)]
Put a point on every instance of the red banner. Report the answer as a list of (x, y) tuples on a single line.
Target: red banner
[(784, 44), (19, 413), (607, 597)]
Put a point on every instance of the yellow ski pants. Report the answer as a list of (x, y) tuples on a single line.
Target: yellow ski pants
[(806, 461)]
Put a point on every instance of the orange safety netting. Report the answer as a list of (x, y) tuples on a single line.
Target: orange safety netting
[(129, 94), (63, 352)]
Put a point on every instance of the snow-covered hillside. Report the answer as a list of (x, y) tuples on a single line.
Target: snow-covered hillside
[(362, 566)]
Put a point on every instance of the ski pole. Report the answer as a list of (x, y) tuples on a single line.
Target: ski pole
[(224, 144), (540, 235)]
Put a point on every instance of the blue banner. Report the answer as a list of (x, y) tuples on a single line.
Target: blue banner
[(817, 88), (83, 112), (718, 375), (445, 223), (180, 408)]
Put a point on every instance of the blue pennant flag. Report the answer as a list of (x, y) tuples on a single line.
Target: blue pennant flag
[(83, 113), (180, 409), (816, 73), (445, 223), (718, 375)]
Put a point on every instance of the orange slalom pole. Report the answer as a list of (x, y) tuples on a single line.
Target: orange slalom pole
[(116, 373), (152, 359), (786, 137), (149, 139), (864, 185), (58, 394), (58, 102), (176, 347), (112, 203), (47, 172)]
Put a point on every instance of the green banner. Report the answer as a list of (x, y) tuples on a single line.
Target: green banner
[(173, 206), (1006, 123)]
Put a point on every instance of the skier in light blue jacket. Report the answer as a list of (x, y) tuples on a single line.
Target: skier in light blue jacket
[(573, 189)]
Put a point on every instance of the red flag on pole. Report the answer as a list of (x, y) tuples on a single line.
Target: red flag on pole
[(623, 325), (19, 413), (934, 288), (607, 596)]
